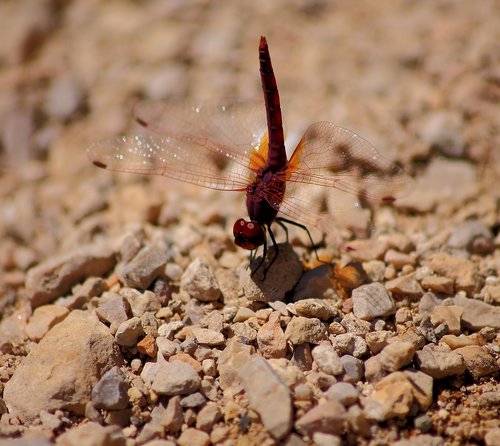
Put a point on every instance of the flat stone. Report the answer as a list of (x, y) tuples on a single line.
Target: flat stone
[(56, 276), (60, 371), (371, 301), (439, 364), (113, 309), (176, 378), (111, 391), (450, 315), (439, 284), (43, 319), (301, 330), (145, 267), (322, 309), (129, 332), (205, 336), (344, 393), (396, 355), (268, 396), (92, 434), (477, 314), (406, 285), (463, 271), (200, 282), (366, 250), (194, 437), (271, 338), (478, 361), (327, 417), (327, 359)]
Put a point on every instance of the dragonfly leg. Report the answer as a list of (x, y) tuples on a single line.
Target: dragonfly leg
[(276, 252), (263, 258), (282, 220)]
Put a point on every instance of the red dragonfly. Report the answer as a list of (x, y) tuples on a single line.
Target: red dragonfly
[(191, 144)]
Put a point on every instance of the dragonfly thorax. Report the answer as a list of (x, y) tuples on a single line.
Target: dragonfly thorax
[(248, 234)]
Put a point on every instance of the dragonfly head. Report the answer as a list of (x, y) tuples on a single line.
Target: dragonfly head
[(248, 234)]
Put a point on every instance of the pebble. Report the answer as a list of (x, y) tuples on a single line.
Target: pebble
[(140, 303), (366, 250), (92, 434), (301, 330), (396, 355), (477, 314), (244, 332), (147, 346), (113, 309), (129, 332), (199, 281), (208, 416), (450, 315), (371, 301), (354, 368), (442, 131), (439, 364), (439, 284), (55, 277), (169, 414), (176, 378), (422, 389), (463, 271), (193, 401), (271, 338), (53, 369), (144, 267), (281, 278), (268, 396), (313, 283), (473, 236), (321, 439), (327, 359), (230, 360), (318, 308), (43, 319), (205, 336), (170, 329), (398, 259), (344, 393), (478, 361), (110, 392), (454, 342), (193, 437), (406, 285), (64, 97), (327, 417), (423, 423), (243, 314), (492, 437)]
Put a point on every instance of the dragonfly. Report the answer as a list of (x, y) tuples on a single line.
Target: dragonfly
[(234, 146)]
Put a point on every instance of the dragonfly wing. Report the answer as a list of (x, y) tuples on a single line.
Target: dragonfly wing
[(180, 159), (332, 156)]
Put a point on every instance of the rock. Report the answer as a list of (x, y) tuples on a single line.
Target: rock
[(301, 330), (326, 359), (455, 342), (199, 281), (318, 308), (61, 370), (327, 417), (477, 314), (396, 355), (421, 440), (422, 385), (439, 284), (193, 437), (371, 301), (463, 271), (244, 332), (92, 434), (193, 401), (439, 364), (448, 314), (357, 422), (442, 131), (398, 259), (478, 362), (147, 346), (176, 378), (230, 360), (492, 437), (129, 332), (271, 338), (113, 309), (282, 277), (64, 97), (366, 250), (208, 416), (377, 340), (473, 236), (144, 267), (268, 396), (354, 368), (43, 319), (171, 416), (392, 397), (313, 283), (111, 391), (351, 276), (243, 314), (321, 439), (55, 277), (344, 393), (406, 285), (141, 303), (205, 336)]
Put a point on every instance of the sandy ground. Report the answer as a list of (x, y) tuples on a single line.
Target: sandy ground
[(419, 80)]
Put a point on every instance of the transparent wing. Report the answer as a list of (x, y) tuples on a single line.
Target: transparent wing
[(335, 157)]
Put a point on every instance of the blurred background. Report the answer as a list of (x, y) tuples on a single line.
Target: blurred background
[(420, 80)]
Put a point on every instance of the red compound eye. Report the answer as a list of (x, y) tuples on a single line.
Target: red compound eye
[(248, 234)]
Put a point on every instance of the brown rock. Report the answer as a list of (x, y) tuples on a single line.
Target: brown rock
[(327, 417), (43, 319), (144, 267), (478, 361), (463, 271), (366, 250), (439, 284), (405, 286), (271, 338)]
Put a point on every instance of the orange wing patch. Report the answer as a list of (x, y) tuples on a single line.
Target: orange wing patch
[(258, 158), (295, 159)]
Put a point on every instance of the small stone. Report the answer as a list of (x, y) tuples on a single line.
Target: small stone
[(64, 97), (442, 131), (322, 439), (243, 314), (455, 342), (271, 338), (92, 434), (43, 319), (396, 355), (113, 309), (463, 271), (268, 396), (439, 364), (301, 330), (171, 416), (193, 401), (477, 314), (423, 423), (326, 359), (318, 308), (147, 346), (351, 276), (199, 281), (230, 360), (473, 236), (244, 332), (141, 303), (354, 368), (194, 437), (129, 332), (208, 416), (176, 378), (111, 391), (392, 397), (377, 340), (448, 314), (145, 267), (398, 259), (439, 284), (406, 285), (371, 301), (170, 329), (422, 386), (357, 421), (366, 250), (313, 283), (205, 336), (492, 437), (478, 362), (327, 417), (344, 393)]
